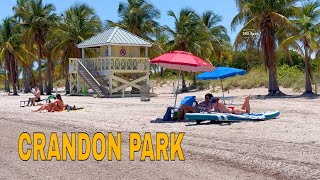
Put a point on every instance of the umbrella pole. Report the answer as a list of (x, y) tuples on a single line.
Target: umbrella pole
[(176, 93)]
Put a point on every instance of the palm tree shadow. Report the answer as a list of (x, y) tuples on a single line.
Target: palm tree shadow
[(305, 96)]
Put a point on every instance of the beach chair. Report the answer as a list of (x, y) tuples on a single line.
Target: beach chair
[(47, 100), (172, 113), (23, 103), (188, 100)]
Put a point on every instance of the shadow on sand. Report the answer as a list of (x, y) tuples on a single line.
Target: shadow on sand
[(221, 123), (305, 96), (160, 120)]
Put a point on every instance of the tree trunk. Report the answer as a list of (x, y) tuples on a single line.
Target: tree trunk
[(184, 87), (40, 68), (194, 79), (268, 49), (7, 70), (308, 85), (26, 79), (49, 75), (66, 75), (13, 73), (161, 72), (18, 85), (7, 82)]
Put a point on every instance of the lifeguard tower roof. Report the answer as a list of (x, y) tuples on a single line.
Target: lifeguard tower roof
[(114, 36)]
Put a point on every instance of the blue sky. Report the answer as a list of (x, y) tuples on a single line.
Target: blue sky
[(107, 9)]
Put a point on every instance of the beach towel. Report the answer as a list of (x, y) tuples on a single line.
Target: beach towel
[(231, 117)]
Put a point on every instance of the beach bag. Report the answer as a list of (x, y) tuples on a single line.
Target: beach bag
[(167, 115)]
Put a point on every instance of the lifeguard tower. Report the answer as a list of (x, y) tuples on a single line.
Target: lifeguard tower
[(123, 63)]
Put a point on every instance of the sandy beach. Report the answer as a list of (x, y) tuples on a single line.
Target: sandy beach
[(283, 148)]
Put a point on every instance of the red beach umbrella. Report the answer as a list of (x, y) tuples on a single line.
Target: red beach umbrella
[(182, 61)]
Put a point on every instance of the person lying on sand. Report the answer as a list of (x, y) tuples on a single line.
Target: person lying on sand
[(221, 107), (205, 105), (57, 105), (70, 108), (36, 97)]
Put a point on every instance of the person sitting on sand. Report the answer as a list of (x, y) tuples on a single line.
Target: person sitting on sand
[(36, 97), (53, 106), (205, 105), (221, 107)]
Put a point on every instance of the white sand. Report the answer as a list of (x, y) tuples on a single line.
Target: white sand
[(283, 148)]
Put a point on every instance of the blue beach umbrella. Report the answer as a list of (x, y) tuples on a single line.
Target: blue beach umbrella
[(221, 73)]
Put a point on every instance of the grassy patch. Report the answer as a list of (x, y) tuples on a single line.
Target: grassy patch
[(60, 83), (288, 77)]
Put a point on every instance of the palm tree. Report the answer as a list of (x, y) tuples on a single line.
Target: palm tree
[(218, 37), (3, 63), (6, 52), (184, 34), (306, 33), (79, 22), (11, 50), (208, 41), (162, 41), (36, 18), (138, 17), (264, 17)]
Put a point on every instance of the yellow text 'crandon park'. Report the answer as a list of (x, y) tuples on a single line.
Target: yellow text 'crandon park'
[(80, 146)]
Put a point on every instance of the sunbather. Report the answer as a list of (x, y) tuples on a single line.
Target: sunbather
[(205, 105), (36, 97), (221, 107), (56, 105), (70, 108)]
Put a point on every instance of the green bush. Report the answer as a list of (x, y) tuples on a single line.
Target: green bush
[(291, 77), (201, 85), (60, 83), (288, 77), (297, 60)]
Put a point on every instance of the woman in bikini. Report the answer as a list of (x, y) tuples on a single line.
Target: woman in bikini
[(58, 105), (220, 107), (53, 106)]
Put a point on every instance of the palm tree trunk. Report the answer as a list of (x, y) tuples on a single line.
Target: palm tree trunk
[(40, 68), (161, 72), (66, 75), (18, 85), (25, 79), (6, 82), (13, 73), (268, 48), (49, 75), (308, 85), (194, 79), (184, 87), (7, 74)]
